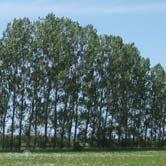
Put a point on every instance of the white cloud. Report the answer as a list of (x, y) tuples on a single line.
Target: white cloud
[(9, 9)]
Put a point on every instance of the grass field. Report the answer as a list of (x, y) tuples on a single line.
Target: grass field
[(124, 158)]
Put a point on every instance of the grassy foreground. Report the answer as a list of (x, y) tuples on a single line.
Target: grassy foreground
[(139, 158)]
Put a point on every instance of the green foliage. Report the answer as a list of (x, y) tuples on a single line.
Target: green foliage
[(63, 85)]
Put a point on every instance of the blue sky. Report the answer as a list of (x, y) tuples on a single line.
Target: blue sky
[(139, 21)]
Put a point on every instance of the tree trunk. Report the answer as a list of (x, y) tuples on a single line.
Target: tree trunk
[(86, 127), (13, 118), (35, 127), (76, 123), (63, 125), (55, 118), (21, 118), (3, 129), (47, 114), (30, 123)]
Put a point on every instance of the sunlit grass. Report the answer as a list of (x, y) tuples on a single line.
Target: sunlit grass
[(142, 158)]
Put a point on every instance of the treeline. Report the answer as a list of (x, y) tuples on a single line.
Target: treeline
[(63, 85)]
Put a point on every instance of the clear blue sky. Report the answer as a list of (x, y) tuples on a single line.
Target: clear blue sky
[(139, 21)]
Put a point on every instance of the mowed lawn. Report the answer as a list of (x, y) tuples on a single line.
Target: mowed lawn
[(139, 158)]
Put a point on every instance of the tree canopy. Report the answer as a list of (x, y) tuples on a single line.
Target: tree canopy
[(63, 84)]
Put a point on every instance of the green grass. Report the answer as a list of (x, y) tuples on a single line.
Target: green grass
[(124, 158)]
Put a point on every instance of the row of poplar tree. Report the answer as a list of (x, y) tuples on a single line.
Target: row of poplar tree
[(63, 84)]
